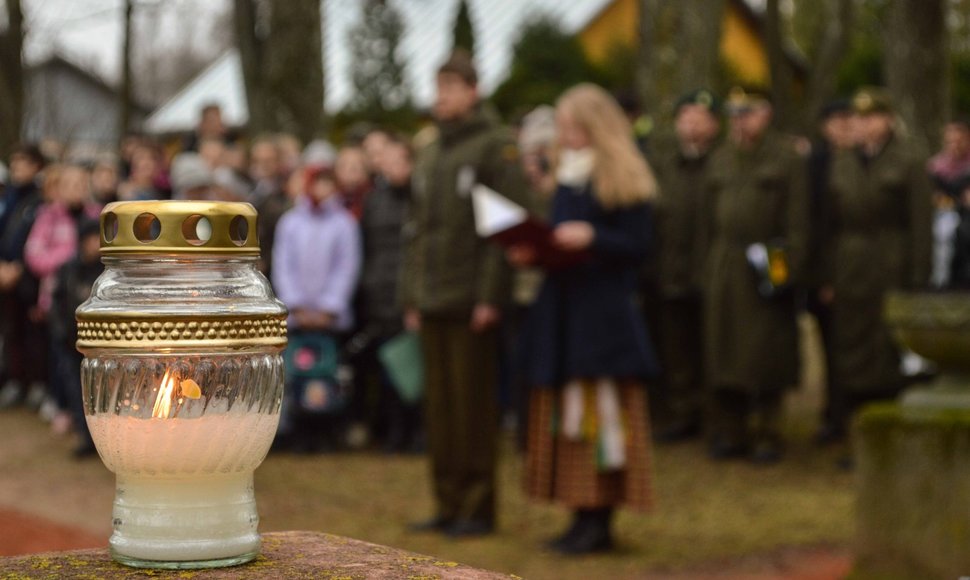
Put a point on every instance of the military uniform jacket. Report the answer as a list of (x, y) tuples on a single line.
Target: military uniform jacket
[(754, 196), (448, 269), (880, 211), (679, 209)]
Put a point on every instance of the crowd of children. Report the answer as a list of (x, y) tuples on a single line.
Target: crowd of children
[(329, 228)]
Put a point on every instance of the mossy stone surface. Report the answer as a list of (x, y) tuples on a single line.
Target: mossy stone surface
[(913, 503), (285, 555)]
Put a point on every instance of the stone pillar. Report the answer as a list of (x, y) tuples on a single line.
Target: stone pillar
[(913, 503)]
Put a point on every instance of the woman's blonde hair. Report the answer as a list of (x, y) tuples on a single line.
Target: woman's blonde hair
[(621, 176)]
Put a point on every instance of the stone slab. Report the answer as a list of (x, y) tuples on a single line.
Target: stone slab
[(285, 555), (913, 503)]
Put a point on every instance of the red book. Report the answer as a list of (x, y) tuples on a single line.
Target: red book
[(505, 222)]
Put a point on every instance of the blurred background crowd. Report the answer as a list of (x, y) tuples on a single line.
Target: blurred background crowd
[(48, 227), (50, 207), (319, 114)]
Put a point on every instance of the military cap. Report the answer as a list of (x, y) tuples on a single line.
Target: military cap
[(702, 97), (872, 100), (461, 63), (835, 107), (744, 99)]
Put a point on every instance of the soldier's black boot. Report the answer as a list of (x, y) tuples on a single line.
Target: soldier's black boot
[(828, 434), (834, 430), (767, 451), (580, 519), (593, 535), (728, 436), (438, 523), (680, 430), (768, 448)]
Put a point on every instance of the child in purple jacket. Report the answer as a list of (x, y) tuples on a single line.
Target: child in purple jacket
[(317, 259), (316, 265)]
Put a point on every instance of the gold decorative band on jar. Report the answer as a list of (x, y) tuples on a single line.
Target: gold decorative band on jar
[(140, 331)]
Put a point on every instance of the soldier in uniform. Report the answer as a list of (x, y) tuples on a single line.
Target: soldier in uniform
[(757, 227), (454, 286), (881, 213), (680, 173), (834, 133)]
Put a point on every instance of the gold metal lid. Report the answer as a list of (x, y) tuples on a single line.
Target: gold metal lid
[(178, 227)]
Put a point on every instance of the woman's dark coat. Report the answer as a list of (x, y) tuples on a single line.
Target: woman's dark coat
[(586, 323)]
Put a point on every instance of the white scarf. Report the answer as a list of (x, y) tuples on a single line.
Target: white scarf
[(575, 166)]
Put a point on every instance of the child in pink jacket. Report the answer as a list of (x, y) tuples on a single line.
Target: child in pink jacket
[(53, 238), (52, 242)]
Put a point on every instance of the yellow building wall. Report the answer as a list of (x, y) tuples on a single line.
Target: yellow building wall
[(741, 47), (616, 24)]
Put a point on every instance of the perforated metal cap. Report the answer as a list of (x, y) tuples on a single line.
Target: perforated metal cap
[(178, 227)]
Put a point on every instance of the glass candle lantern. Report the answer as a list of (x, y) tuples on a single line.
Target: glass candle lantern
[(182, 379)]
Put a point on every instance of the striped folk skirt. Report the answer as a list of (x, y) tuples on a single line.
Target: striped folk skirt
[(570, 469)]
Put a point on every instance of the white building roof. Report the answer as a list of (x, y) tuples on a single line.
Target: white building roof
[(220, 83), (425, 44)]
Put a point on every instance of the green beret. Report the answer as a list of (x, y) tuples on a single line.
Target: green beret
[(702, 97), (872, 100), (744, 99)]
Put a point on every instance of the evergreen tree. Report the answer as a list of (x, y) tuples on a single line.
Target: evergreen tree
[(545, 62), (464, 30), (381, 92)]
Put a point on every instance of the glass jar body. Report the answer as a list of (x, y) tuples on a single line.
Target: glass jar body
[(182, 385)]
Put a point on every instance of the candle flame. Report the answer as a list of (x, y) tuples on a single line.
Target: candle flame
[(166, 392)]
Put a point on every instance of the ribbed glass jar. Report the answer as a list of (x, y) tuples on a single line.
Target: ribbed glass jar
[(182, 379)]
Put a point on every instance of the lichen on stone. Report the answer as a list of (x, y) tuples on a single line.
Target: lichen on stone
[(42, 564)]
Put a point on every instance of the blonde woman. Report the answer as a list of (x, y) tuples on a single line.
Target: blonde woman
[(589, 352)]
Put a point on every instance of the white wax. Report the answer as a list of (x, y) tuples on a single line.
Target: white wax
[(207, 445), (184, 486)]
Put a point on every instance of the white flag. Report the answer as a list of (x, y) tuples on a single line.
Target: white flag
[(494, 212)]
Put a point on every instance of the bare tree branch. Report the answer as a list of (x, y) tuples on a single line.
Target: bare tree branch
[(647, 54), (251, 56), (281, 54), (124, 109), (917, 65), (832, 46), (11, 77), (699, 42), (294, 69), (778, 65)]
